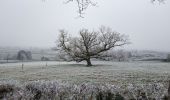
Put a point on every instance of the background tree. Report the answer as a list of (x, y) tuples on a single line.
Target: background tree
[(168, 58), (83, 5), (90, 44), (121, 55), (24, 55)]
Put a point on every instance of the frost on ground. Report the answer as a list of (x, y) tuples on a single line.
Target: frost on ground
[(48, 80), (101, 72)]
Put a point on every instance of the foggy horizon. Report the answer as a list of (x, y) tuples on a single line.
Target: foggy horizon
[(34, 23)]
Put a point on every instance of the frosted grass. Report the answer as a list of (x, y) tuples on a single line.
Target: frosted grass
[(101, 72)]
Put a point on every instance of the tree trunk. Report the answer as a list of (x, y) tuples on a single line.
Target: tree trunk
[(89, 62)]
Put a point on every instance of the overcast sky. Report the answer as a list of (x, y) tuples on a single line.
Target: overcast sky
[(33, 23)]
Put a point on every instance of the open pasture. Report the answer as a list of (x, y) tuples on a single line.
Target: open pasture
[(101, 72)]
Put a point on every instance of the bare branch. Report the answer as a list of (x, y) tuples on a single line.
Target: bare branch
[(82, 5)]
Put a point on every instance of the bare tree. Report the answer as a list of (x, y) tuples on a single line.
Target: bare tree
[(120, 55), (168, 58), (24, 55), (89, 45), (82, 5)]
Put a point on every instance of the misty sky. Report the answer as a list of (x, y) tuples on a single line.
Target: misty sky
[(33, 23)]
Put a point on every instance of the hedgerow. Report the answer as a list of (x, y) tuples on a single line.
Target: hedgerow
[(57, 90)]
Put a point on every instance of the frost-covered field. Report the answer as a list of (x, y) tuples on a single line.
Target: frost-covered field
[(101, 72), (72, 81)]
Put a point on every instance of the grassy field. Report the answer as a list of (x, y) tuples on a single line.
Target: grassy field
[(70, 80), (101, 72)]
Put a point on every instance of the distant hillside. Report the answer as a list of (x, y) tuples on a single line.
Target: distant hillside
[(148, 55), (37, 53), (50, 54)]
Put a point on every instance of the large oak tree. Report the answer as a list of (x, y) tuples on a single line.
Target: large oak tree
[(90, 44)]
